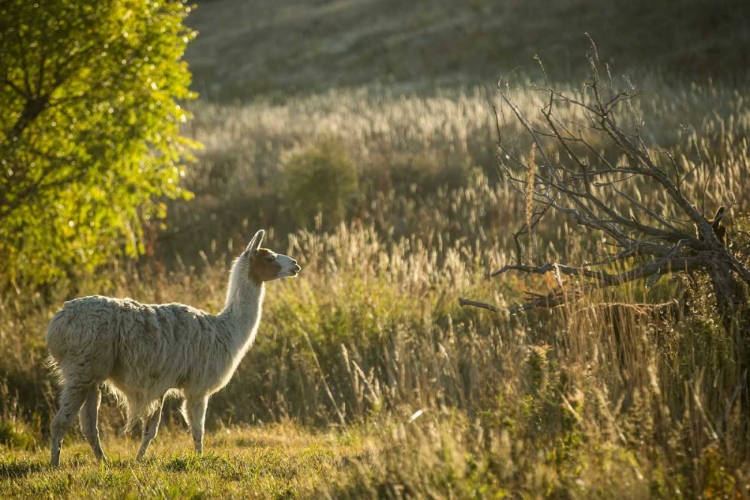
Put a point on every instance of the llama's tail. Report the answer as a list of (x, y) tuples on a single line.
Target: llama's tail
[(82, 341), (57, 332)]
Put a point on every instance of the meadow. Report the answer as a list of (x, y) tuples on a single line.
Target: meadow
[(362, 136), (368, 379)]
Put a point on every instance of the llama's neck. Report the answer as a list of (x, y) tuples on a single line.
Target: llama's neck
[(242, 309)]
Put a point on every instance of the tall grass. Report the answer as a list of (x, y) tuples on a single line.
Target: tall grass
[(596, 397)]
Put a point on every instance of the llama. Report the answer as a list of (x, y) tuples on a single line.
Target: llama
[(143, 352)]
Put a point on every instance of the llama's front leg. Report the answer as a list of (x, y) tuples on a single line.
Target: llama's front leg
[(71, 400), (196, 413), (89, 416), (150, 428)]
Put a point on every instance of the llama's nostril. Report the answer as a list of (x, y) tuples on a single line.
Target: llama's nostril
[(297, 268)]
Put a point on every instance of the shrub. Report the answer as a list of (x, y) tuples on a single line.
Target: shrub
[(321, 179)]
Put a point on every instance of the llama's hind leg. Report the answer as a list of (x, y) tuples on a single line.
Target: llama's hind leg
[(150, 428), (89, 416), (196, 415), (71, 400)]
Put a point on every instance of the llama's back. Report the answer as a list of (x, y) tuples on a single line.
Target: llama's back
[(121, 331)]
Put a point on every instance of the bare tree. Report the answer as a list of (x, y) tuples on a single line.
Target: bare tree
[(587, 160)]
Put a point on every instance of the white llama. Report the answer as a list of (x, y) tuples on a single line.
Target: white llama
[(142, 352)]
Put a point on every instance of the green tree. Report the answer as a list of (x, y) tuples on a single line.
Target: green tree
[(89, 129)]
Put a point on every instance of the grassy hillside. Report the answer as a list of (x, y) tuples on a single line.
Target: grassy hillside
[(254, 47)]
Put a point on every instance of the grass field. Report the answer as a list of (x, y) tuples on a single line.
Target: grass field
[(272, 462), (414, 458), (583, 402), (368, 379)]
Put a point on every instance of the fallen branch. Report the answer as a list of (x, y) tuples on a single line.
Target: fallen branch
[(482, 305)]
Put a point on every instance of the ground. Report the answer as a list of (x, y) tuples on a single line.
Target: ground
[(242, 462)]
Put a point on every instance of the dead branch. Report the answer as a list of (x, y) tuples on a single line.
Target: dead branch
[(482, 305), (592, 165)]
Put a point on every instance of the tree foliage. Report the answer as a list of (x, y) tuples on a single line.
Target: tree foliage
[(89, 129)]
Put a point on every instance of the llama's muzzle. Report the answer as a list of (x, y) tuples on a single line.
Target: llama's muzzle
[(296, 269), (288, 267)]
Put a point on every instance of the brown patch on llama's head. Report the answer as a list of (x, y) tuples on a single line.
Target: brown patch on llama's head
[(263, 266), (267, 265)]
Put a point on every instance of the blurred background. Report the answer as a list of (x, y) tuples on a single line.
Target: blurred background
[(247, 49), (401, 93)]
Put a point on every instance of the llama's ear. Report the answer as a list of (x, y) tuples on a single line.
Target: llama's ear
[(256, 241)]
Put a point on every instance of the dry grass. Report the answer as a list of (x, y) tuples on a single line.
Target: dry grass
[(587, 401), (417, 157)]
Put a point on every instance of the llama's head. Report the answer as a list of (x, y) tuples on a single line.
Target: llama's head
[(267, 265)]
